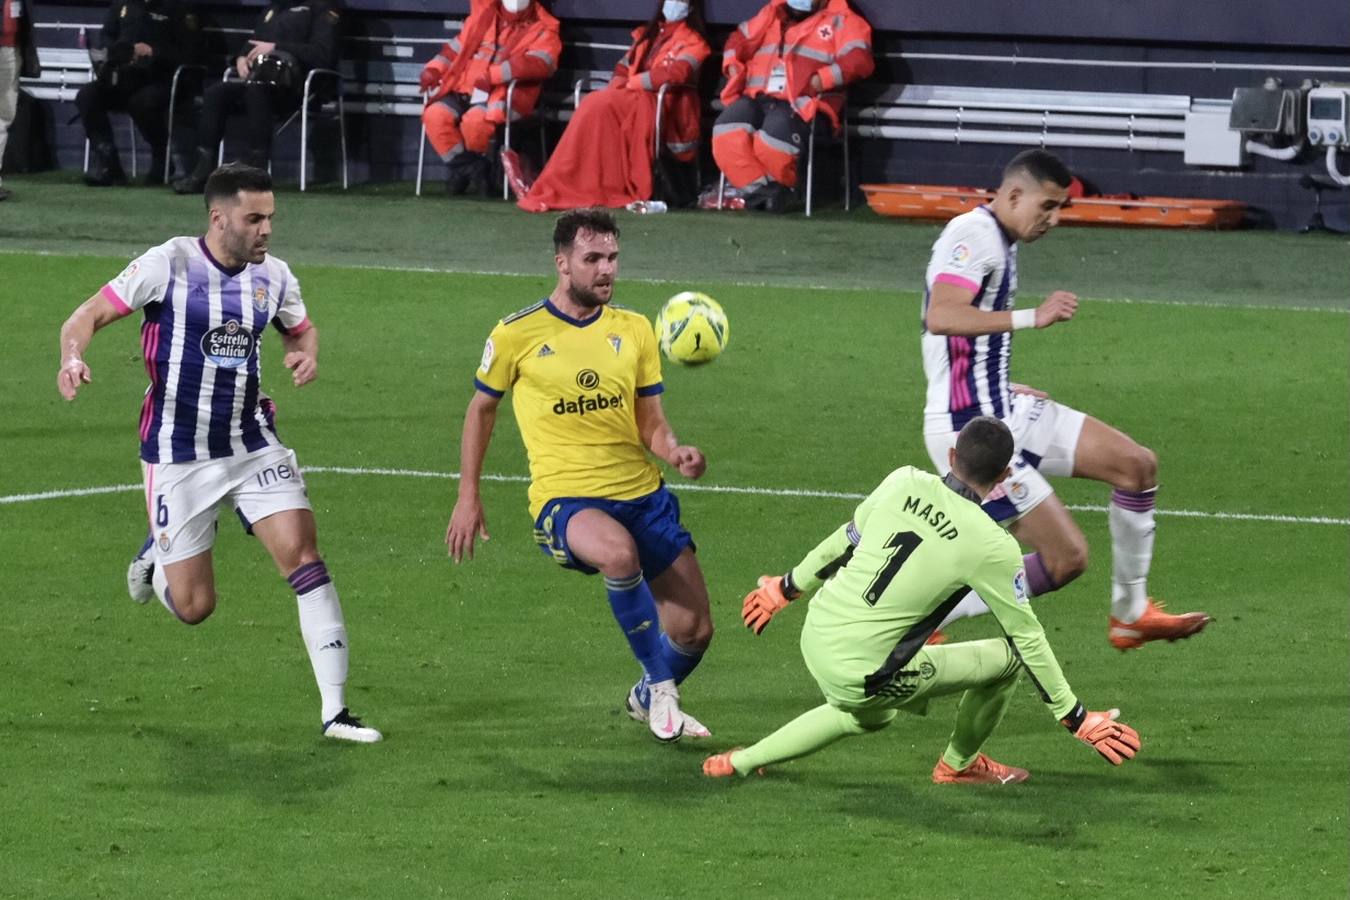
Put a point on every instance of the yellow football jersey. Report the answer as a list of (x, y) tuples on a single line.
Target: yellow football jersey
[(574, 387)]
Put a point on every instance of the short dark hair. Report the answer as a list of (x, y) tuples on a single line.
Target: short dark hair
[(234, 177), (595, 220), (983, 449), (1041, 165)]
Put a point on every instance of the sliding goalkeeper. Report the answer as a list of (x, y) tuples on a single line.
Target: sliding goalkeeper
[(915, 547)]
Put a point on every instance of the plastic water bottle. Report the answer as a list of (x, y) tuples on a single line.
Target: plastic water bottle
[(647, 206)]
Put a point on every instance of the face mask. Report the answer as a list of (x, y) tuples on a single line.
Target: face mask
[(674, 10), (515, 6), (801, 6)]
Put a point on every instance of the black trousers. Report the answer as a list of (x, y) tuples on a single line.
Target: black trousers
[(147, 101), (262, 105)]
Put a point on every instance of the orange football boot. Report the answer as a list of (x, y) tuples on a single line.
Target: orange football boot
[(982, 771), (1155, 625)]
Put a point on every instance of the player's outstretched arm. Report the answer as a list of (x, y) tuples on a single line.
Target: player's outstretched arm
[(76, 333), (1115, 741), (659, 438), (468, 521), (302, 355)]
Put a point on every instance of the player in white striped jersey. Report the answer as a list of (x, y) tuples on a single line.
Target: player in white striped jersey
[(968, 320), (206, 430)]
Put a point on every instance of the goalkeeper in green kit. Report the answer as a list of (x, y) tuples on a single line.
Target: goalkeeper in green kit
[(915, 547)]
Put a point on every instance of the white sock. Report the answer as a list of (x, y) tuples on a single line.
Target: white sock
[(970, 605), (324, 633), (1132, 526)]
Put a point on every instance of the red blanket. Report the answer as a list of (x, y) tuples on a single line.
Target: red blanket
[(604, 157)]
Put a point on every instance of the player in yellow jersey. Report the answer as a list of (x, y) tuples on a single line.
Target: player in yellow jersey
[(586, 383), (916, 545)]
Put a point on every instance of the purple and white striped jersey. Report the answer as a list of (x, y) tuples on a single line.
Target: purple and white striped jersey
[(968, 376), (201, 341)]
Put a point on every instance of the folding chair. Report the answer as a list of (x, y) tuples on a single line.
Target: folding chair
[(307, 96), (131, 130)]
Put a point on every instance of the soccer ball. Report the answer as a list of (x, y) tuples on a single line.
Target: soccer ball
[(692, 329)]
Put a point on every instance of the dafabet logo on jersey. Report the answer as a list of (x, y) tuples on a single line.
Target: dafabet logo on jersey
[(587, 380)]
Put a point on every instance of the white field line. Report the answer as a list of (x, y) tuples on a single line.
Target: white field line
[(686, 283), (682, 488)]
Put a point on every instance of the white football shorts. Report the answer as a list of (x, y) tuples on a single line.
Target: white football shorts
[(1045, 439), (182, 499)]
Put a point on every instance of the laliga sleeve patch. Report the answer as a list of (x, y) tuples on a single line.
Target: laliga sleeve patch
[(1020, 586), (960, 256), (489, 352)]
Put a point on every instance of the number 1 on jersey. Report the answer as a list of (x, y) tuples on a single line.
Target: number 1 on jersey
[(902, 545)]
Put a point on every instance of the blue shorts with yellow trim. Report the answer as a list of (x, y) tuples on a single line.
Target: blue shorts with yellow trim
[(653, 520)]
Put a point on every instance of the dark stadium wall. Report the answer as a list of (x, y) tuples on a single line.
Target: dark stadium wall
[(1201, 49)]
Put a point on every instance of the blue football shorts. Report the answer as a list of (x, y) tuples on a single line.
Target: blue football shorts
[(653, 520)]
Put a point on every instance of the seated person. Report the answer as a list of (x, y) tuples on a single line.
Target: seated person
[(501, 41), (784, 66), (18, 57), (292, 37), (605, 155), (143, 42)]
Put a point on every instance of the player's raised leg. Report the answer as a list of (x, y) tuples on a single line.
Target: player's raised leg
[(291, 537), (686, 631), (1108, 455), (598, 540)]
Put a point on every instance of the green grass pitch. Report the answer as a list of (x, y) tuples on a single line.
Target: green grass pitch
[(141, 758)]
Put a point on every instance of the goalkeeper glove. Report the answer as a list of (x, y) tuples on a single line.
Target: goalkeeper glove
[(773, 594), (1115, 741)]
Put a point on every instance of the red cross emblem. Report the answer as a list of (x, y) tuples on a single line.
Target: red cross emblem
[(825, 32)]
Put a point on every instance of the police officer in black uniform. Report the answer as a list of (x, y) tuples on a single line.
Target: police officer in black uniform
[(144, 41), (292, 37)]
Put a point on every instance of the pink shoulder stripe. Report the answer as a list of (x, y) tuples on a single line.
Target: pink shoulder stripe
[(949, 278), (111, 296)]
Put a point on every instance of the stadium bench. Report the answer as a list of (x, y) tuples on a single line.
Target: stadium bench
[(983, 115)]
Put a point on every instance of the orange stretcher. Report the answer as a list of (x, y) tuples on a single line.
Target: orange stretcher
[(931, 201)]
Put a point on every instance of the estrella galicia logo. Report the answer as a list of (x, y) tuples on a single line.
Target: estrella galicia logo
[(228, 346), (588, 380)]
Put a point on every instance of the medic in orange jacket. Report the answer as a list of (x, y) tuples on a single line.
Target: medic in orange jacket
[(820, 54), (501, 41), (677, 55)]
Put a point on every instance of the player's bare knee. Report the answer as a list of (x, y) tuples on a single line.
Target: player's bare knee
[(1068, 562), (694, 636), (1143, 470), (196, 607), (301, 557)]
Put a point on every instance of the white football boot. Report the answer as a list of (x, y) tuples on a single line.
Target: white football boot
[(633, 704), (346, 727), (140, 577)]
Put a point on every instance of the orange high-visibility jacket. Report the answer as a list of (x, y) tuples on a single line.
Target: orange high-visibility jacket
[(834, 42), (677, 54), (492, 46)]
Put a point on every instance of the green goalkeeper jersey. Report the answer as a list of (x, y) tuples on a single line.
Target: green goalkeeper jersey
[(888, 578)]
